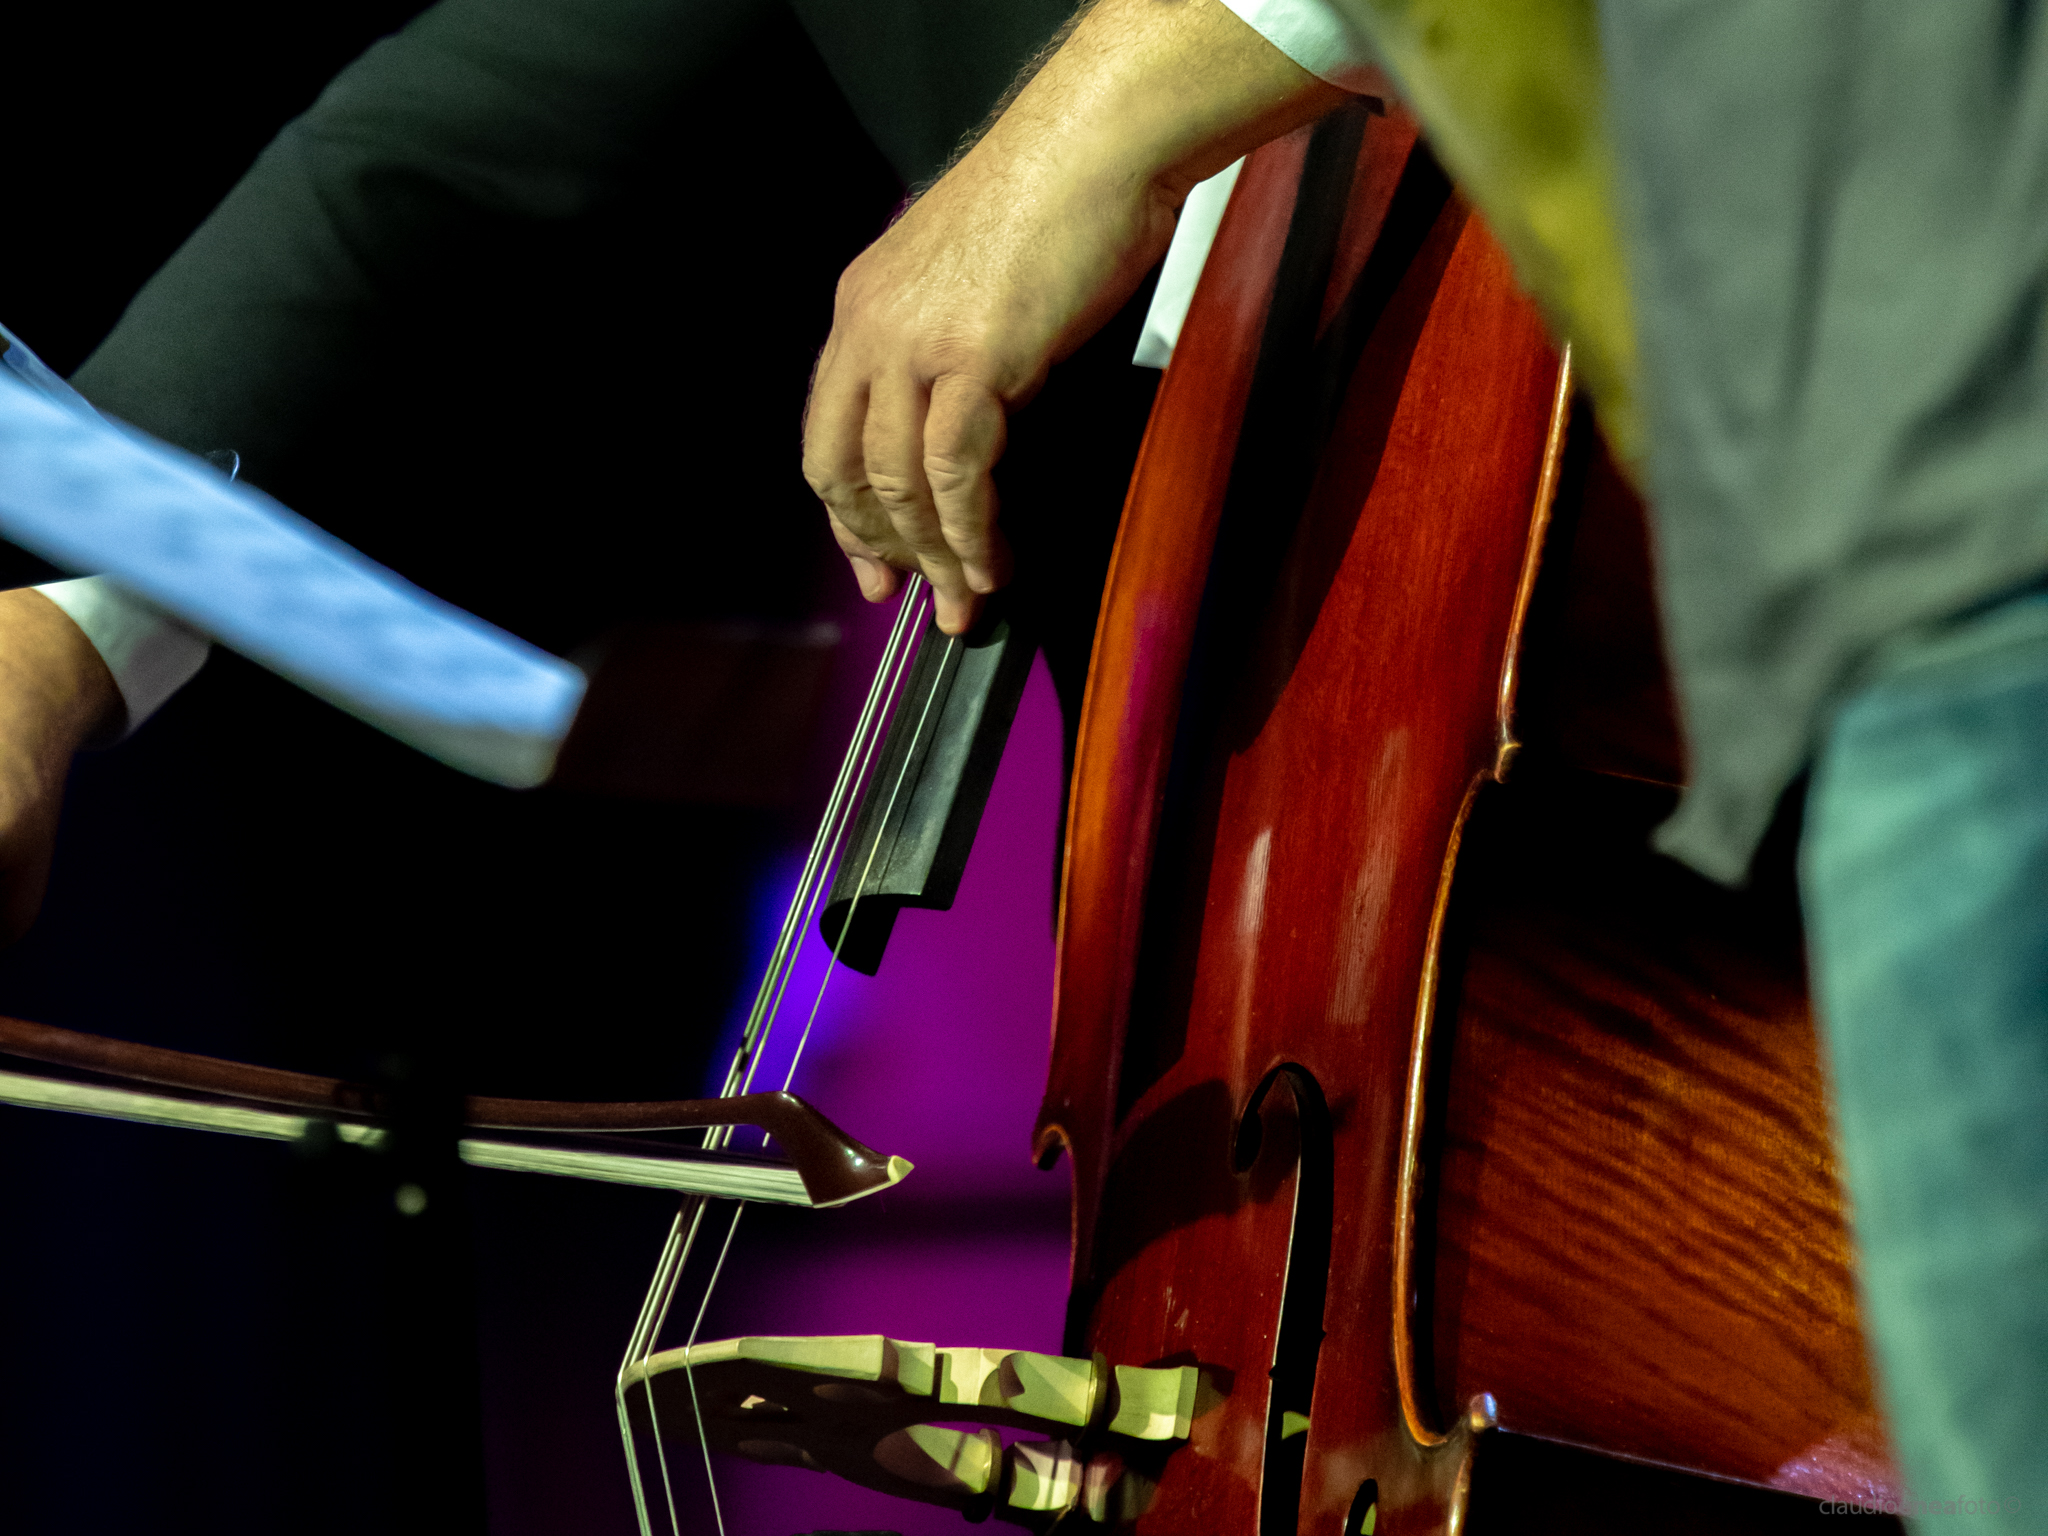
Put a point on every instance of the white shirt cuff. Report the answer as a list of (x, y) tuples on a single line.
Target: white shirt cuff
[(1200, 216), (1317, 35), (151, 656)]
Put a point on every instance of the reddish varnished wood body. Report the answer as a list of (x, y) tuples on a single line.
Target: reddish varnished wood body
[(1606, 1199), (1337, 814), (1639, 1241), (1639, 1238)]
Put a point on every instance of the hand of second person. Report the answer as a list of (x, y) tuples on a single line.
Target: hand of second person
[(1012, 260), (56, 695)]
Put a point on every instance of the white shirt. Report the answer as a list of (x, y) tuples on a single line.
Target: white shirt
[(1318, 37), (150, 655)]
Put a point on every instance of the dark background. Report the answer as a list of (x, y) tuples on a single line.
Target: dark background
[(201, 1333), (204, 1334)]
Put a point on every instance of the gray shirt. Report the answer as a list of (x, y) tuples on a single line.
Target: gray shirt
[(1837, 215), (1836, 218)]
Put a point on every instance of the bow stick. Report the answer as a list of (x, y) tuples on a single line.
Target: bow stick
[(172, 529), (227, 560), (820, 1164)]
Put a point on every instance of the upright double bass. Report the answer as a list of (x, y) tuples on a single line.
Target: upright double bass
[(1442, 1157), (1478, 1156)]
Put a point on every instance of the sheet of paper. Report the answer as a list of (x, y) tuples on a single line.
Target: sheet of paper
[(99, 498)]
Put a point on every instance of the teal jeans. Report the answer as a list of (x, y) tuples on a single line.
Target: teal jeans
[(1924, 874)]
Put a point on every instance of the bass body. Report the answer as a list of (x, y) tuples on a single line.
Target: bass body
[(1474, 1156)]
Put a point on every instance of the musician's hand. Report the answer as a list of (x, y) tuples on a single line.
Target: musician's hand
[(1014, 258), (55, 695), (942, 327)]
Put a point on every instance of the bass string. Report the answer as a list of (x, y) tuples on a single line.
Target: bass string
[(853, 770), (803, 914), (932, 695), (767, 1007), (831, 966), (841, 806), (641, 1324), (931, 698), (653, 1309), (766, 1002), (690, 1376), (676, 1252), (804, 910)]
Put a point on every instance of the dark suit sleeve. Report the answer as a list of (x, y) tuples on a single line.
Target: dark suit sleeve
[(478, 108)]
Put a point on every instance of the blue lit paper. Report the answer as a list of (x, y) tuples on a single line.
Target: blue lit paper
[(97, 498)]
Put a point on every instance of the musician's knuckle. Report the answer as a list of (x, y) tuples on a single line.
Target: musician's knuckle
[(967, 539), (952, 357), (853, 541), (850, 293), (920, 538), (950, 474), (833, 487), (897, 493)]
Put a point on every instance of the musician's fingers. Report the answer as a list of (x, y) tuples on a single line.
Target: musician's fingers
[(835, 465), (963, 437), (876, 576), (893, 439)]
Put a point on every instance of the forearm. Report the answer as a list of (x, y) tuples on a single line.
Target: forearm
[(1153, 94), (1046, 225), (1009, 262)]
